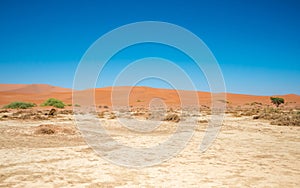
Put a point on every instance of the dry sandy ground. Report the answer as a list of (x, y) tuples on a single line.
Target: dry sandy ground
[(247, 153)]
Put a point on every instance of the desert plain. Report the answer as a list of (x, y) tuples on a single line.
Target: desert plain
[(258, 144)]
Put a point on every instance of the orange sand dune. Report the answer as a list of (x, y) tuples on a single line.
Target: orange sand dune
[(8, 87), (137, 96), (32, 88)]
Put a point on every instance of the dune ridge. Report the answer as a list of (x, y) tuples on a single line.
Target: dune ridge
[(139, 95)]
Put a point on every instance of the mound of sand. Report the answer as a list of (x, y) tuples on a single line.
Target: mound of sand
[(134, 96), (32, 88)]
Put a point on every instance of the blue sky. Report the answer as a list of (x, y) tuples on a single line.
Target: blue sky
[(256, 43)]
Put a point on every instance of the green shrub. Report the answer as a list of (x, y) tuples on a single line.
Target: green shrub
[(54, 102), (277, 101), (20, 105)]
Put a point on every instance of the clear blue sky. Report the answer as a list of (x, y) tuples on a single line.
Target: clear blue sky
[(256, 42)]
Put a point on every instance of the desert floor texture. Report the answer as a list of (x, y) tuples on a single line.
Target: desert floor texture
[(247, 153), (258, 145)]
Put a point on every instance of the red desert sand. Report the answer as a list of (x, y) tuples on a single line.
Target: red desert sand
[(37, 93)]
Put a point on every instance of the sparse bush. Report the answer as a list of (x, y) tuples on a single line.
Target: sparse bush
[(49, 129), (278, 117), (52, 112), (66, 112), (202, 121), (277, 101), (271, 110), (237, 114), (224, 101), (172, 117), (256, 103), (250, 112), (77, 105), (54, 102), (44, 130), (20, 105), (101, 114), (287, 120), (112, 116), (170, 110)]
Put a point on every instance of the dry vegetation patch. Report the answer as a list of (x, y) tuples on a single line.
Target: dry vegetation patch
[(202, 121), (172, 117), (33, 114), (54, 129), (276, 116)]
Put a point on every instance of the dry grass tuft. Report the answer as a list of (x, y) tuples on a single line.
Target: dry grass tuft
[(276, 116), (112, 116), (172, 117), (101, 114), (287, 120), (202, 121), (44, 130), (280, 117), (48, 129)]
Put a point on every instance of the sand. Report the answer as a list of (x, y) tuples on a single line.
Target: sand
[(138, 96), (247, 153)]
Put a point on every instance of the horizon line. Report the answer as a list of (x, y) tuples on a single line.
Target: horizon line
[(143, 87)]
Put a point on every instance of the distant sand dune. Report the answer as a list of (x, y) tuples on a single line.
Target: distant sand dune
[(32, 88), (138, 96)]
